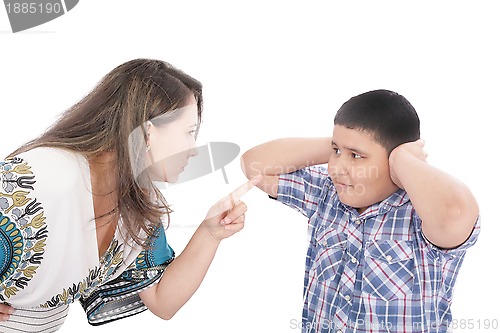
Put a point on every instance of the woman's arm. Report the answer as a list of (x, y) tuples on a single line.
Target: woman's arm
[(185, 274), (282, 156), (446, 206)]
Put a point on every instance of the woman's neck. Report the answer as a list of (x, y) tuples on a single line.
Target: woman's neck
[(103, 175)]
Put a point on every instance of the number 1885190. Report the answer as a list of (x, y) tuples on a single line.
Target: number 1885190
[(33, 8), (475, 324)]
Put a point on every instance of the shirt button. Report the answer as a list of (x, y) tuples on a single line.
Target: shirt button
[(358, 222), (389, 258), (338, 331), (354, 260), (347, 298)]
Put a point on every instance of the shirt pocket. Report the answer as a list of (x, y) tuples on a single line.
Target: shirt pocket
[(330, 251), (389, 266)]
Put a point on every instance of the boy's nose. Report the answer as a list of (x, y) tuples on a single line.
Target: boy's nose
[(339, 168)]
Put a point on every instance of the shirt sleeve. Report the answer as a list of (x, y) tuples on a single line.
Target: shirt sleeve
[(303, 189), (455, 252), (119, 298), (468, 243)]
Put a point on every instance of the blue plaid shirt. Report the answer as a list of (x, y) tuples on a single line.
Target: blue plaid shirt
[(370, 272)]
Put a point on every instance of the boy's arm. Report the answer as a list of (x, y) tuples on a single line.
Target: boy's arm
[(282, 156), (446, 206)]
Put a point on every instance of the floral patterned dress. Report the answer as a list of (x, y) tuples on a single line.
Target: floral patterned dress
[(48, 247)]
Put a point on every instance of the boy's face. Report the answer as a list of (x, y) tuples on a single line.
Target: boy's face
[(359, 168)]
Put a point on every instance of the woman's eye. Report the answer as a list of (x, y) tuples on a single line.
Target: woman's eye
[(356, 156), (336, 151)]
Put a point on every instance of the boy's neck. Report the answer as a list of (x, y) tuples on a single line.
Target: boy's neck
[(361, 210)]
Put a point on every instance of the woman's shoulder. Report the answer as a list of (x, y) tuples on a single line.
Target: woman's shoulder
[(48, 154), (53, 158), (60, 168)]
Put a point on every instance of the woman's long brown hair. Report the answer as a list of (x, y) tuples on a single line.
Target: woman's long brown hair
[(125, 99)]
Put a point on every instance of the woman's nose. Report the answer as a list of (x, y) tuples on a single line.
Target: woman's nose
[(193, 152)]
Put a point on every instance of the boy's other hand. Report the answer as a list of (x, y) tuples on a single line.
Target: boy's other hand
[(401, 155)]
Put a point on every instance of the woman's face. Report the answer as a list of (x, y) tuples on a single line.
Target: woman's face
[(172, 144)]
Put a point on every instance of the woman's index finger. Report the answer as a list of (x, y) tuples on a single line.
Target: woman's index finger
[(236, 195)]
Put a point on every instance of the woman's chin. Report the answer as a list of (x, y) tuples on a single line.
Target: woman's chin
[(172, 179)]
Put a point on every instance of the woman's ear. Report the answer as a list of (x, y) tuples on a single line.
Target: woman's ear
[(149, 127)]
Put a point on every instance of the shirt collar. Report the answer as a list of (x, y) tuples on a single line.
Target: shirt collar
[(397, 199)]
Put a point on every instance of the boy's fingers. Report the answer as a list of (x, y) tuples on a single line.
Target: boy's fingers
[(420, 142)]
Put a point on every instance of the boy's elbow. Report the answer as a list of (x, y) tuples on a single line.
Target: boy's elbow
[(458, 223), (463, 209), (247, 165), (464, 218)]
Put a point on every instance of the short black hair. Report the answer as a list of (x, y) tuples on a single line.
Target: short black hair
[(385, 114)]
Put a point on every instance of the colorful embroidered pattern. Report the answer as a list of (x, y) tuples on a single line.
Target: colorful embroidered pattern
[(22, 228), (110, 261), (120, 298), (146, 269)]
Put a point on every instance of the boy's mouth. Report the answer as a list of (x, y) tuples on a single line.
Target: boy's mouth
[(341, 185)]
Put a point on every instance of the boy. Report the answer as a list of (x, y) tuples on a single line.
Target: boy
[(388, 232)]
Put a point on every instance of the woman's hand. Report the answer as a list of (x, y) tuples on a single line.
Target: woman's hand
[(227, 216), (5, 312), (184, 275)]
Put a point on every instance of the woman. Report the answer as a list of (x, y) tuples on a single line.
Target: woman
[(81, 218)]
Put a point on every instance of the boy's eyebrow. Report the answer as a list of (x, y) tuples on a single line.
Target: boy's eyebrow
[(356, 150)]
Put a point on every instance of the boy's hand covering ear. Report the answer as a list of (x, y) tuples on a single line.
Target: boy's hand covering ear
[(414, 149)]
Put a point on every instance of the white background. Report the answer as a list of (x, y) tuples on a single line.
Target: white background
[(275, 69)]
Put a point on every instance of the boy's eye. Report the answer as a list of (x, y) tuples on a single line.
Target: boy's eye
[(336, 151)]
